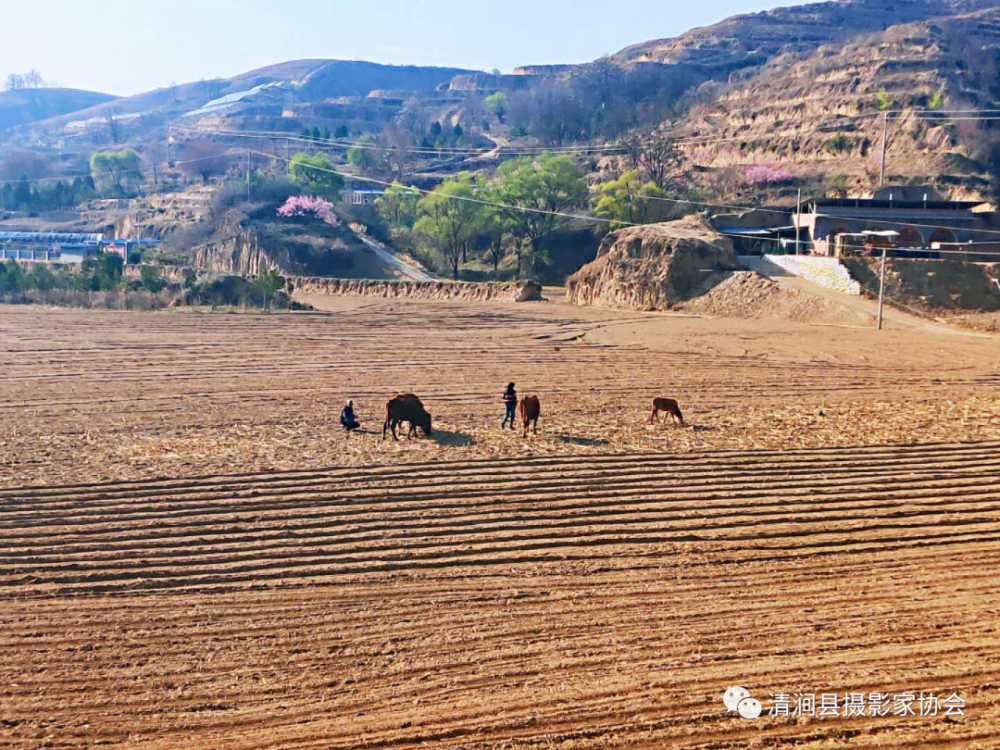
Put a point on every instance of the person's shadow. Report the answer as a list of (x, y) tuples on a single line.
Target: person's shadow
[(454, 438)]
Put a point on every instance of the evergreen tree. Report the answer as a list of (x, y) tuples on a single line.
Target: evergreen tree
[(22, 194)]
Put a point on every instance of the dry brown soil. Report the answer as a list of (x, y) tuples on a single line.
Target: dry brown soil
[(192, 554)]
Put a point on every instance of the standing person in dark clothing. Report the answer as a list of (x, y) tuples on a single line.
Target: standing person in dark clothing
[(510, 403), (347, 418)]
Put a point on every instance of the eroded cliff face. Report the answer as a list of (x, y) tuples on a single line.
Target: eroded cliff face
[(651, 267), (237, 251)]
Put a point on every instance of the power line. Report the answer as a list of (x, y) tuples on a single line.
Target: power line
[(714, 205), (341, 144)]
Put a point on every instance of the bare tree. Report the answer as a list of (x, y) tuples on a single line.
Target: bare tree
[(654, 155), (560, 116), (204, 159), (154, 155), (112, 120), (20, 164), (96, 132), (21, 81), (399, 142)]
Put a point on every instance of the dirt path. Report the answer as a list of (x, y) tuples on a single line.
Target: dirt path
[(392, 260), (891, 316)]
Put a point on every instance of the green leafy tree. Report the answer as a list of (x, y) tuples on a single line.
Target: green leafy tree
[(341, 131), (22, 194), (494, 231), (496, 105), (102, 272), (269, 283), (149, 277), (14, 278), (115, 169), (365, 156), (317, 174), (448, 219), (42, 278), (546, 185), (629, 200), (398, 205)]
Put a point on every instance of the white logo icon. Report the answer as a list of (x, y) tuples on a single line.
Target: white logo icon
[(733, 696), (749, 708), (738, 699)]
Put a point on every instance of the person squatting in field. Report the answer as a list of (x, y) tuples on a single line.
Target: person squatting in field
[(510, 403), (347, 418)]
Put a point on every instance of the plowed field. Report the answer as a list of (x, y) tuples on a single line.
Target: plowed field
[(193, 555)]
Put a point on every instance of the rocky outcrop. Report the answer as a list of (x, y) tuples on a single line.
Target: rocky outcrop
[(238, 252), (651, 267), (438, 290)]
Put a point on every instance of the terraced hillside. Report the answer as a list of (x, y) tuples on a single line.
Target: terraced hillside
[(192, 554), (818, 115)]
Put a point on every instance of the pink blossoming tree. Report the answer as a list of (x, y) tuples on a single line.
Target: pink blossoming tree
[(304, 205), (763, 174)]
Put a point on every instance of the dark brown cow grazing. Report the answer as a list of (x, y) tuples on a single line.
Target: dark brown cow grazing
[(669, 406), (529, 409), (405, 407)]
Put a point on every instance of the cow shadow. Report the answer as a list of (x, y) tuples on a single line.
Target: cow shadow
[(452, 438), (570, 440)]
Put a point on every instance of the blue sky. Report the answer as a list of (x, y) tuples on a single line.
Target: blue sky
[(129, 46)]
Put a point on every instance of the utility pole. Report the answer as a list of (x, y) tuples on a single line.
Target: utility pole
[(885, 138), (248, 174), (798, 222), (881, 290)]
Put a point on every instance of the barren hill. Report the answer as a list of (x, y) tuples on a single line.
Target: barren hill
[(31, 105)]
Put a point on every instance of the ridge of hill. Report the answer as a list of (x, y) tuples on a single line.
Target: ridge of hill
[(273, 87), (753, 38), (27, 106)]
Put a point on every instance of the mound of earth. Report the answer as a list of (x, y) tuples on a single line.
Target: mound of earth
[(745, 294), (651, 267)]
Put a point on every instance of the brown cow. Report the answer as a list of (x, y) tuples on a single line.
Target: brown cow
[(405, 407), (529, 409), (669, 406)]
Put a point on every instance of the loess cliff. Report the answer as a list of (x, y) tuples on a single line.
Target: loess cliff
[(651, 267)]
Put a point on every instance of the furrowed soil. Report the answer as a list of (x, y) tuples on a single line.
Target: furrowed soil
[(193, 554)]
